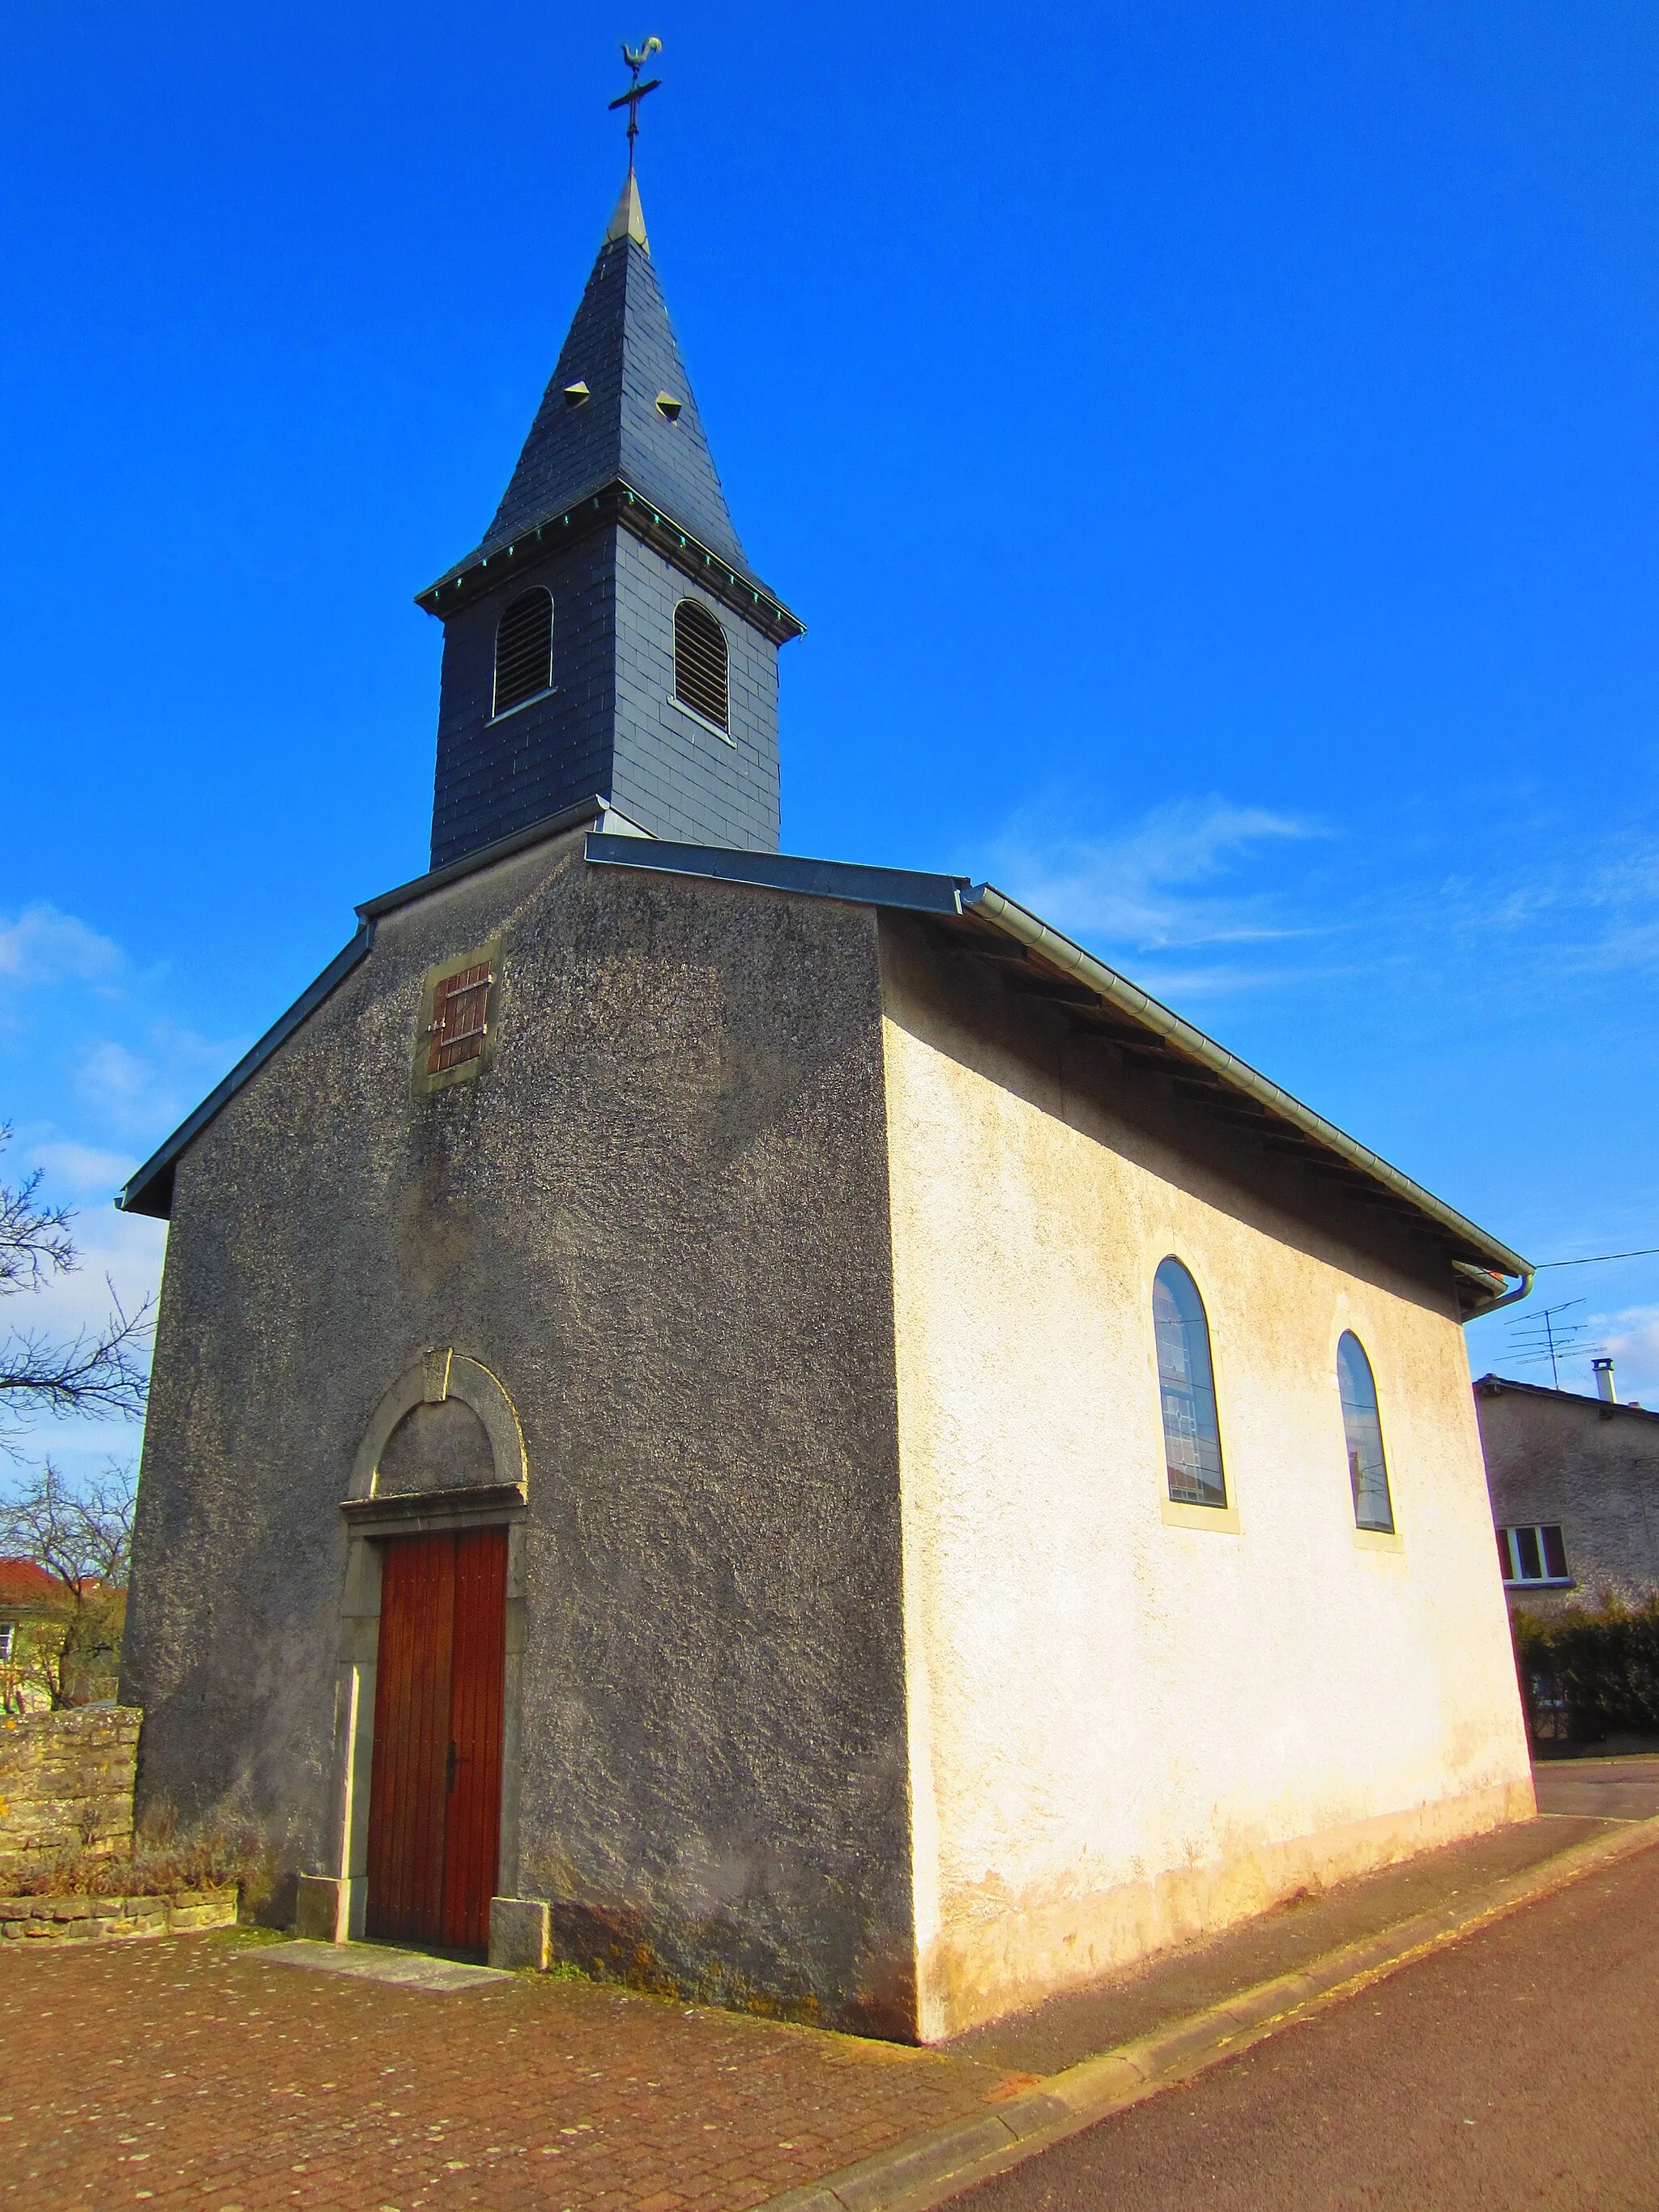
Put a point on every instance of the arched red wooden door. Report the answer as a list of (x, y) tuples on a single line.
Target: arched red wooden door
[(435, 1800)]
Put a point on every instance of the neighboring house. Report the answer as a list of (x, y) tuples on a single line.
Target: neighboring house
[(27, 1593), (1575, 1492), (36, 1655), (781, 1410)]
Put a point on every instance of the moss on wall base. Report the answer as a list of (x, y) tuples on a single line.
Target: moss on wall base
[(716, 1962)]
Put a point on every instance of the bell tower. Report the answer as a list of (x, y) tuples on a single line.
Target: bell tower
[(608, 638)]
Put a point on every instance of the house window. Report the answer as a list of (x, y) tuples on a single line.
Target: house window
[(8, 1630), (1536, 1554), (459, 1024), (1186, 1382), (1362, 1425), (524, 650), (700, 663)]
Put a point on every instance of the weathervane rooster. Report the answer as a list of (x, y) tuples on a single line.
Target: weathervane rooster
[(636, 92)]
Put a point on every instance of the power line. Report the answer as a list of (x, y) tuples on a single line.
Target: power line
[(1594, 1259)]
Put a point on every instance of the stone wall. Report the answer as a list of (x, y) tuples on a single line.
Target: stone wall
[(66, 1786), (100, 1919)]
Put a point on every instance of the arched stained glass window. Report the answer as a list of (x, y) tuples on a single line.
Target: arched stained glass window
[(1185, 1382), (1362, 1425), (524, 650)]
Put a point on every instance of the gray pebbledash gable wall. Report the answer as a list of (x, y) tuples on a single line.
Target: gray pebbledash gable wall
[(661, 1218)]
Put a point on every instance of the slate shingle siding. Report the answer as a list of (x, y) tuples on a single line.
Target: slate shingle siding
[(621, 345), (672, 775), (495, 777), (610, 727)]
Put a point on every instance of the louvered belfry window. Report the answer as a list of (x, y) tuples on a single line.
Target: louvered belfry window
[(460, 1007), (524, 649), (700, 658)]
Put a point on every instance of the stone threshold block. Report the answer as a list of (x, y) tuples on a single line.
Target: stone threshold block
[(329, 1908), (518, 1934)]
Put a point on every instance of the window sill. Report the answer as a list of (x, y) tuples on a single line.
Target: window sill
[(534, 700), (1222, 1520), (1546, 1582), (1379, 1540), (703, 723)]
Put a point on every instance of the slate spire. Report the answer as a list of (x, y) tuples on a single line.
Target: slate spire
[(639, 421), (607, 640)]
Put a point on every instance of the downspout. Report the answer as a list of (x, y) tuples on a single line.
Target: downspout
[(1474, 1274)]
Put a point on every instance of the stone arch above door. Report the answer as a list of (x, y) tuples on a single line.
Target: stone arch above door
[(439, 1376)]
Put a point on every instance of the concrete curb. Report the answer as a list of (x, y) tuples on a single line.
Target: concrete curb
[(914, 2176)]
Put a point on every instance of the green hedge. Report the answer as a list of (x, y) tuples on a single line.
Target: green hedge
[(1598, 1671)]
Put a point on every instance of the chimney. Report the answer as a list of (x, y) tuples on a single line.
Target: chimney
[(1604, 1389)]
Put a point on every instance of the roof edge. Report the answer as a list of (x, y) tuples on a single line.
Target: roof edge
[(1493, 1386), (906, 887), (592, 811), (1007, 915), (611, 498), (1483, 1262), (150, 1189)]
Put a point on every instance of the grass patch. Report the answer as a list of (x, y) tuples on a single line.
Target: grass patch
[(164, 1862)]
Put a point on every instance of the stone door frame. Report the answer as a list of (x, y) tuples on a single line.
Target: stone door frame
[(332, 1903)]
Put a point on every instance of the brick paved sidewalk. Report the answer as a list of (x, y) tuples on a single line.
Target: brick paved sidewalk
[(197, 2071)]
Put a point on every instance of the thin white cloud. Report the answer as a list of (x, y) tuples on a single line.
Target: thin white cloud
[(83, 1169), (1632, 1337), (121, 1256), (1178, 987), (1587, 904), (142, 1095), (1246, 887), (1155, 885), (43, 946), (118, 1250)]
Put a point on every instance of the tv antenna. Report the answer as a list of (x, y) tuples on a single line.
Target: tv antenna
[(1543, 1336)]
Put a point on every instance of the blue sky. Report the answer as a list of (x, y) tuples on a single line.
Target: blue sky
[(1213, 449)]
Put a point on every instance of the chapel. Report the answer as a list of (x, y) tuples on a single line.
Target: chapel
[(771, 1427)]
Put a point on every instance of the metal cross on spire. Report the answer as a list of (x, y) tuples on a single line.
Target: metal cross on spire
[(636, 92)]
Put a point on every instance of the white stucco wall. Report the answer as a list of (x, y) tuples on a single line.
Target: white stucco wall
[(1125, 1732)]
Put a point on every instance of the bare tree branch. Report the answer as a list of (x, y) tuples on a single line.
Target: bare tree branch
[(68, 1647), (102, 1372), (97, 1371), (79, 1531), (34, 1239)]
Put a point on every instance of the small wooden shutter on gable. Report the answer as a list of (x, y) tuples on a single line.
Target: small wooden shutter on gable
[(460, 1008)]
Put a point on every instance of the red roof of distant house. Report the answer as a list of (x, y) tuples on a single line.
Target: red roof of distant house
[(23, 1582)]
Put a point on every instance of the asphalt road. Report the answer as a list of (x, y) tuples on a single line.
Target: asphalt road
[(1602, 1789), (1518, 2068)]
